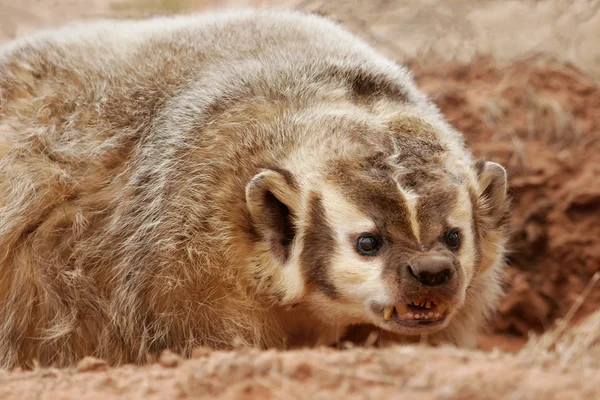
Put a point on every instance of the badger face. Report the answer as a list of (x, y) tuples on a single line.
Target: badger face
[(395, 241), (402, 257)]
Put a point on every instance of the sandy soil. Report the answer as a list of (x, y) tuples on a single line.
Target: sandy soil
[(402, 372), (521, 80)]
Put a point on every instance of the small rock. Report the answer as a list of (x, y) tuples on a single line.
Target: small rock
[(105, 382), (89, 364), (48, 373), (301, 371), (168, 359), (201, 352)]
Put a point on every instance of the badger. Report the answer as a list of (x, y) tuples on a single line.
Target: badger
[(256, 178)]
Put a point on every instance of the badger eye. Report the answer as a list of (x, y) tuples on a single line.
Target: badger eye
[(368, 245), (452, 239)]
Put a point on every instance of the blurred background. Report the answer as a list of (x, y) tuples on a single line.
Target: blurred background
[(521, 80)]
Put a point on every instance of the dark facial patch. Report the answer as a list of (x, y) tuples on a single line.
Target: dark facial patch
[(373, 191), (318, 248), (421, 155), (436, 201)]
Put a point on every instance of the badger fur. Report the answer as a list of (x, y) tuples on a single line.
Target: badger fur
[(254, 178)]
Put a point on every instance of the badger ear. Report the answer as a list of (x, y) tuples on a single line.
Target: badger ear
[(272, 199), (493, 189)]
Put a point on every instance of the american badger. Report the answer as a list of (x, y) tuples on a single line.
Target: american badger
[(252, 178)]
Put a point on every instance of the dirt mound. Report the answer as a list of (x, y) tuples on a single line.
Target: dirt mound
[(541, 121), (402, 372)]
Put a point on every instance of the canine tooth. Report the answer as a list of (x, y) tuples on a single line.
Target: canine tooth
[(401, 309), (428, 304), (387, 313)]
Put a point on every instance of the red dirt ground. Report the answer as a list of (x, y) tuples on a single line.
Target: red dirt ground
[(397, 373)]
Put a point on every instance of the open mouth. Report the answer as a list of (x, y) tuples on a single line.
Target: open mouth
[(421, 310)]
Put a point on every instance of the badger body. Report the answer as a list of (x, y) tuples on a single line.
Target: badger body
[(256, 178)]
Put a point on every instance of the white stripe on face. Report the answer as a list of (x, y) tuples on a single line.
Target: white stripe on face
[(410, 200)]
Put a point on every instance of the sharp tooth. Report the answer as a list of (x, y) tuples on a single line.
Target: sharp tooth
[(428, 304), (387, 313), (401, 309)]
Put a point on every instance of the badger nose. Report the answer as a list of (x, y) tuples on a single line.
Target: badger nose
[(432, 270)]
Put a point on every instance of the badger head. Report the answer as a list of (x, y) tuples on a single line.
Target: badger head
[(402, 230)]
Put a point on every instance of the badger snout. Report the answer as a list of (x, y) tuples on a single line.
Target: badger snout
[(428, 285), (429, 275), (430, 270)]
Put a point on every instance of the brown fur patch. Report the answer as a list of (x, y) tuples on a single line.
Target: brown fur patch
[(417, 143), (436, 201), (367, 86), (421, 156), (318, 248), (373, 191)]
